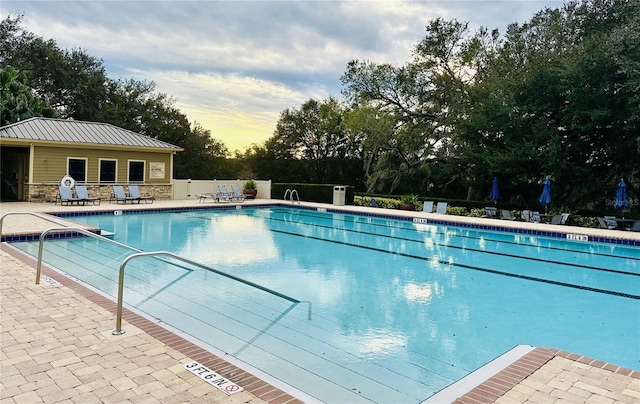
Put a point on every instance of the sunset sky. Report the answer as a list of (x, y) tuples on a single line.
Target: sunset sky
[(233, 66)]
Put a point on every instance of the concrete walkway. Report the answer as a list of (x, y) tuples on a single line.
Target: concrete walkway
[(56, 346)]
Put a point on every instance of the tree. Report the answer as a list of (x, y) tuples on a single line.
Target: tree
[(420, 98), (72, 82), (17, 101), (76, 86), (558, 101), (315, 133)]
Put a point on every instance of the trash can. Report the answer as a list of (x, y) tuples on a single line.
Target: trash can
[(339, 195)]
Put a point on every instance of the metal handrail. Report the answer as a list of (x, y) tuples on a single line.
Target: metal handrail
[(40, 215), (43, 235), (295, 192), (120, 331), (140, 253), (291, 193)]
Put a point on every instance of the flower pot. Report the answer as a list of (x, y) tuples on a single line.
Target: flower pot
[(250, 193), (407, 206)]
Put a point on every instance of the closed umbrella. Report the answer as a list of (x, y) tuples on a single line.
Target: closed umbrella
[(495, 191), (621, 196), (545, 198)]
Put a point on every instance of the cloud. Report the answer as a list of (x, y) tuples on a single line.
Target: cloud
[(233, 66)]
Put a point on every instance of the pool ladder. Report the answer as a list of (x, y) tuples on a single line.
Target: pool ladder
[(292, 193), (137, 254)]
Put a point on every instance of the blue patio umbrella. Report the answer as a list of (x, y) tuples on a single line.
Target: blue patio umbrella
[(545, 198), (495, 191), (621, 196)]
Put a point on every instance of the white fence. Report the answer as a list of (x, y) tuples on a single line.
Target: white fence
[(188, 189)]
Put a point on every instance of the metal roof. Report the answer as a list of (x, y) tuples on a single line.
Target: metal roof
[(61, 130)]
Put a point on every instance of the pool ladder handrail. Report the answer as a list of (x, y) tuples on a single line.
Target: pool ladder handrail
[(291, 193), (44, 234), (119, 330), (140, 253)]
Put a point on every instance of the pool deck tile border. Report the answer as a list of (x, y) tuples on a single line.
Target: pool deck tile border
[(497, 386)]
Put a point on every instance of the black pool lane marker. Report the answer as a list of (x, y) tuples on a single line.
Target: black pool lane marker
[(475, 268)]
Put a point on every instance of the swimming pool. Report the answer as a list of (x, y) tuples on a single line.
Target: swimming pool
[(400, 309)]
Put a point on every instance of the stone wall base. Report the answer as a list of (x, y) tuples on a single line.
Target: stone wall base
[(49, 192)]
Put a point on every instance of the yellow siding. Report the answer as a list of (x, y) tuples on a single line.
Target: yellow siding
[(50, 163)]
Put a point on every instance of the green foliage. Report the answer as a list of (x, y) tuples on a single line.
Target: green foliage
[(409, 199), (17, 100), (557, 96), (386, 203), (314, 133), (251, 184)]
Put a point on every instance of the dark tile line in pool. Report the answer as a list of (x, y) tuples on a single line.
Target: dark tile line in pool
[(12, 238)]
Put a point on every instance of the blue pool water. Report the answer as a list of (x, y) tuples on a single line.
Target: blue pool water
[(400, 310)]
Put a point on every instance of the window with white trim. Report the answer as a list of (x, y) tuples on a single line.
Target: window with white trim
[(108, 169), (136, 170), (77, 168)]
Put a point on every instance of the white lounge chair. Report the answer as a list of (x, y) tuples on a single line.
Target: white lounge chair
[(441, 208), (134, 192), (120, 197), (607, 224), (428, 207), (66, 197), (490, 212), (223, 194), (506, 214), (204, 197), (237, 194), (535, 217), (82, 193)]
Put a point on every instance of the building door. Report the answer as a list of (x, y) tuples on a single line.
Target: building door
[(13, 173)]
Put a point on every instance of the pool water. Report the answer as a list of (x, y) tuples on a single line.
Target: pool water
[(400, 309)]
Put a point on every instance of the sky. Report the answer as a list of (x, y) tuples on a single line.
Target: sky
[(234, 66)]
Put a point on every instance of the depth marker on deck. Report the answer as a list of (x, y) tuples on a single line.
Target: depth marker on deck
[(214, 379)]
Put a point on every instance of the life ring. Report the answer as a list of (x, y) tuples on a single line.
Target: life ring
[(67, 181)]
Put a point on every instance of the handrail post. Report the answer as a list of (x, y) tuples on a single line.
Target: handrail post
[(119, 330)]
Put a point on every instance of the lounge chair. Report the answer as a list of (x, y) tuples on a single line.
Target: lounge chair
[(441, 208), (526, 215), (535, 217), (121, 197), (490, 212), (134, 192), (236, 194), (636, 226), (204, 197), (506, 214), (82, 193), (428, 207), (223, 194), (564, 217), (556, 219), (66, 197), (607, 224)]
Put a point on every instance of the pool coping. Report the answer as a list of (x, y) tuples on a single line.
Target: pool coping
[(578, 234)]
